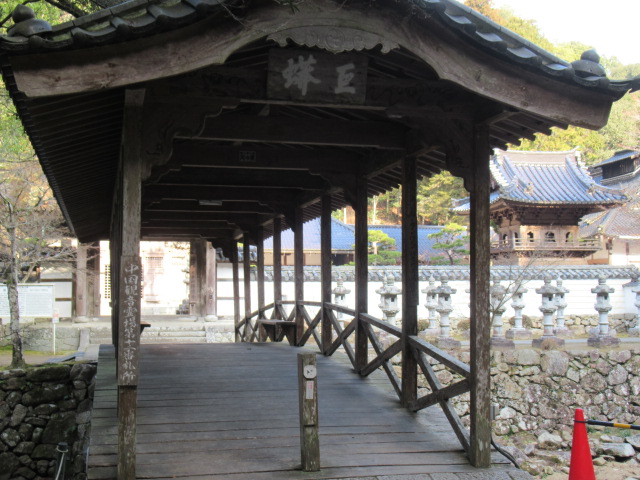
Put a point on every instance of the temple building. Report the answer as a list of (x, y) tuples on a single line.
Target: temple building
[(617, 228), (537, 201)]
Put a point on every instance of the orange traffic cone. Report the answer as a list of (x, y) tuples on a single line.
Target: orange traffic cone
[(581, 464)]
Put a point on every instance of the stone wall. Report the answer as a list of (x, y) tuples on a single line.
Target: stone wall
[(538, 391), (39, 408)]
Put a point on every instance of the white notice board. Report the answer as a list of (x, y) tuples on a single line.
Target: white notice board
[(35, 300)]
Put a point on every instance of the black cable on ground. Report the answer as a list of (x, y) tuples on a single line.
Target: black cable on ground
[(499, 448)]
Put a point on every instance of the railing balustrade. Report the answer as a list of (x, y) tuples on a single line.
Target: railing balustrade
[(545, 244)]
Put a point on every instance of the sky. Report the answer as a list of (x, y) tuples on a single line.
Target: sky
[(610, 26)]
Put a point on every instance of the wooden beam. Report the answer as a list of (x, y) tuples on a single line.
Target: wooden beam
[(277, 263), (228, 217), (298, 267), (361, 271), (260, 273), (325, 269), (224, 194), (480, 454), (250, 157), (190, 205), (410, 279), (130, 282), (305, 131), (227, 177), (200, 276)]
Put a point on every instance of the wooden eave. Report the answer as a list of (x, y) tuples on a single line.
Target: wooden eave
[(230, 142)]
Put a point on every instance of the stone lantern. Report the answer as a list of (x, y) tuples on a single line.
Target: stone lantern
[(518, 332), (444, 309), (498, 306), (547, 308), (389, 299), (603, 337), (561, 304), (432, 302), (340, 295)]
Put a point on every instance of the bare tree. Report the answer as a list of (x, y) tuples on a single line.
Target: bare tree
[(32, 234)]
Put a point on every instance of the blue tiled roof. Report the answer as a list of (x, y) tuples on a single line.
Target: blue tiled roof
[(342, 236), (425, 244), (545, 178)]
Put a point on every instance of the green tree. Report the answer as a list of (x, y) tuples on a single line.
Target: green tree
[(452, 240), (434, 198)]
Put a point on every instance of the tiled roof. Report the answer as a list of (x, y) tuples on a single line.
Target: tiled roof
[(342, 236), (621, 155), (545, 178), (425, 244), (623, 221), (142, 18), (461, 272)]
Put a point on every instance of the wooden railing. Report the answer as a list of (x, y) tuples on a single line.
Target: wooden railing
[(249, 330)]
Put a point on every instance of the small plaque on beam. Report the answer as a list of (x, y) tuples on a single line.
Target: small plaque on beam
[(247, 156), (312, 76)]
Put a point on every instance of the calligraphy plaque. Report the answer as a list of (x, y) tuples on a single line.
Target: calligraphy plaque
[(317, 77), (129, 316)]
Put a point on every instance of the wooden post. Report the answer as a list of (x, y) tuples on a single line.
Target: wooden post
[(410, 291), (246, 267), (81, 287), (361, 271), (298, 269), (193, 277), (480, 454), (211, 286), (325, 269), (308, 402), (200, 277), (277, 263), (260, 273), (94, 284), (236, 289), (129, 283)]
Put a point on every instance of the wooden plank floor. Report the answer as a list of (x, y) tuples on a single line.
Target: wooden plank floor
[(229, 411)]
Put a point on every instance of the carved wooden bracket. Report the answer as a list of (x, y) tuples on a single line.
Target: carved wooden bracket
[(333, 39), (164, 121)]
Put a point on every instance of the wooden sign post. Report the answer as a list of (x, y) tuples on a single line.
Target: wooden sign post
[(308, 400)]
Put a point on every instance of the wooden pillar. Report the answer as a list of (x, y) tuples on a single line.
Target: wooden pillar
[(130, 283), (236, 288), (94, 280), (260, 272), (81, 285), (198, 280), (211, 286), (325, 269), (298, 269), (361, 271), (480, 453), (246, 267), (277, 263), (410, 291)]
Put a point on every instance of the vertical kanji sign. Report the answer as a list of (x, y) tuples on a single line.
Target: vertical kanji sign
[(129, 337), (313, 76)]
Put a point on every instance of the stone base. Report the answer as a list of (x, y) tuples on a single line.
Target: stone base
[(563, 332), (603, 341), (502, 343), (447, 343), (634, 332), (210, 318), (550, 342), (429, 333), (518, 334), (81, 319)]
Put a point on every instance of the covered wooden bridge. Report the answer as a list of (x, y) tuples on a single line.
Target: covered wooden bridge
[(228, 121)]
